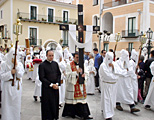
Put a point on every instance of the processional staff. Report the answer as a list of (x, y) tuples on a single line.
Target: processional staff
[(117, 39), (17, 28)]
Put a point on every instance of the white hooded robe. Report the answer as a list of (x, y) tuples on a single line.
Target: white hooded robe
[(11, 95)]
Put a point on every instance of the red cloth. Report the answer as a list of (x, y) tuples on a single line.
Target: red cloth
[(37, 60), (30, 64), (77, 92)]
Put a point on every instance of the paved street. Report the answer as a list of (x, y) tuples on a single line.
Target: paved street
[(31, 110)]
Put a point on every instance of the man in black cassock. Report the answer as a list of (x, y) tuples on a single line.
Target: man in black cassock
[(49, 75)]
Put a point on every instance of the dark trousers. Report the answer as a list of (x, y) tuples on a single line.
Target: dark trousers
[(97, 78)]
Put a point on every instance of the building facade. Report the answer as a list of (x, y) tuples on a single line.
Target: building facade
[(129, 17), (40, 20)]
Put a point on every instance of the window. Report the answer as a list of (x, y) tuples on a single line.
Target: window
[(1, 14), (50, 14), (52, 46), (130, 47), (33, 12), (106, 47), (65, 16), (95, 23), (65, 38), (95, 45), (33, 36), (131, 26), (95, 2)]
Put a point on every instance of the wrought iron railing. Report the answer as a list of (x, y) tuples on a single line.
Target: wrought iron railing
[(134, 33), (35, 42), (46, 19), (117, 3)]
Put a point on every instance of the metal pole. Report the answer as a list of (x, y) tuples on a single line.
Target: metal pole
[(99, 43), (100, 13), (149, 48)]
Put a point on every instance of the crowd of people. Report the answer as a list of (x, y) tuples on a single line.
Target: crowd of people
[(56, 74)]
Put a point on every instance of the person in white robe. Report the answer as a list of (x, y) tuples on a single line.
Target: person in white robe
[(124, 84), (35, 71), (31, 51), (58, 57), (58, 53), (90, 88), (22, 55), (11, 95), (108, 73), (43, 54), (29, 67), (38, 83), (66, 56), (133, 62), (62, 66), (149, 101)]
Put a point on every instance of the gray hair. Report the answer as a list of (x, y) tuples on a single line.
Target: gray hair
[(91, 54)]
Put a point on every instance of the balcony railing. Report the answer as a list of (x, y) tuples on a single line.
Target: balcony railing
[(130, 33), (46, 19), (117, 3), (35, 42)]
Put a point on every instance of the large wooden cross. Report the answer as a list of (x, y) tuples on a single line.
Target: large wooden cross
[(80, 28)]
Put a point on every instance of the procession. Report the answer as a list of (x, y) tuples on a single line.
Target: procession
[(74, 68)]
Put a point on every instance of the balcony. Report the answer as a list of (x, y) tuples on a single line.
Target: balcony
[(35, 42), (117, 3), (130, 33), (45, 19)]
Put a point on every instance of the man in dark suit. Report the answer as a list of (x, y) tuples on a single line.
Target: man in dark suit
[(101, 58), (148, 71)]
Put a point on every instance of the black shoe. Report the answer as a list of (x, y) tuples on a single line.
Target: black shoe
[(35, 98), (87, 118), (134, 110), (135, 102), (147, 107), (119, 107), (40, 99), (108, 119)]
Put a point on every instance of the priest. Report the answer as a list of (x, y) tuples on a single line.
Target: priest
[(50, 76), (75, 98)]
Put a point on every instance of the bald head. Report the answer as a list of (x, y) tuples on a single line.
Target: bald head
[(50, 55)]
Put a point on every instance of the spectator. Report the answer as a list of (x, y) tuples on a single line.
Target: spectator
[(96, 65), (141, 78), (148, 72)]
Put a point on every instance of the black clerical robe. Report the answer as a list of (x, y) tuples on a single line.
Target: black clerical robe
[(49, 73)]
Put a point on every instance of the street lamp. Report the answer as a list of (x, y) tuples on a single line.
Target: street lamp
[(142, 38), (149, 36), (17, 28)]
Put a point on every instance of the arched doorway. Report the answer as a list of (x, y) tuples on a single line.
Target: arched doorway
[(50, 44), (107, 22)]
